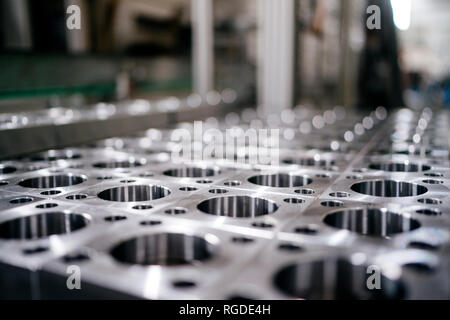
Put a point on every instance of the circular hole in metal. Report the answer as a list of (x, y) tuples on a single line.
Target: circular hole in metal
[(232, 183), (323, 176), (36, 250), (309, 162), (150, 222), (57, 181), (79, 196), (242, 240), (42, 225), (432, 181), (399, 167), (188, 189), (262, 225), (192, 172), (134, 193), (142, 207), (290, 247), (184, 284), (115, 218), (332, 203), (127, 181), (304, 191), (21, 200), (3, 183), (371, 222), (166, 249), (430, 201), (294, 200), (419, 267), (75, 258), (205, 181), (131, 163), (309, 230), (46, 205), (218, 191), (281, 180), (333, 278), (389, 188), (340, 194), (429, 212), (50, 192), (176, 211), (7, 169), (408, 152), (104, 177), (422, 245), (433, 174), (238, 206)]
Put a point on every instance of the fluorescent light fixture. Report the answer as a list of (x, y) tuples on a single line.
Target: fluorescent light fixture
[(402, 13)]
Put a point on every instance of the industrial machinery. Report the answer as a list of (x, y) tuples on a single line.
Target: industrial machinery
[(356, 208)]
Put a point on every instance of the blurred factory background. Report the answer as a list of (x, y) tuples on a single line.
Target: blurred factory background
[(143, 48)]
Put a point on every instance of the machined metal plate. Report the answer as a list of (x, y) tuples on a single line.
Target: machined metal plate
[(352, 192)]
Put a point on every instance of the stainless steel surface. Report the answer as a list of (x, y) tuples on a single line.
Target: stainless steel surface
[(61, 127), (351, 191)]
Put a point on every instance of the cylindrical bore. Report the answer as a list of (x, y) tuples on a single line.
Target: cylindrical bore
[(132, 193), (192, 172), (399, 167), (280, 180), (42, 225), (238, 206), (371, 222), (389, 188), (332, 278), (165, 249), (47, 182), (131, 163)]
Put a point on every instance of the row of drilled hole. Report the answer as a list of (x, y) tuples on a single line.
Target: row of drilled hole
[(196, 172), (147, 192), (385, 188), (327, 203), (275, 180), (174, 249), (370, 221), (200, 250)]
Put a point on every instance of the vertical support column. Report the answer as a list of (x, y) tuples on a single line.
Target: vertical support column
[(202, 49), (276, 46), (345, 86), (15, 24), (77, 40)]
